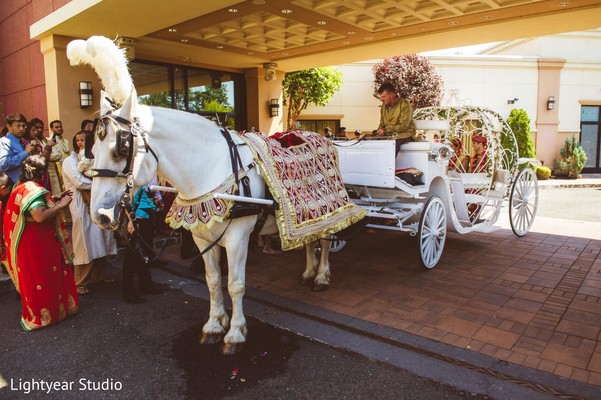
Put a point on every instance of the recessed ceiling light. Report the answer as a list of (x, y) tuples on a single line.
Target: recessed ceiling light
[(284, 54), (219, 46), (250, 53), (184, 40), (233, 10), (286, 11), (346, 42), (393, 34), (351, 33), (453, 23), (321, 22), (172, 30), (564, 4), (485, 17)]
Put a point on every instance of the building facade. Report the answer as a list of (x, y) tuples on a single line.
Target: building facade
[(556, 79)]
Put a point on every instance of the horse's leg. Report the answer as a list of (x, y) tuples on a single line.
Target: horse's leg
[(237, 252), (214, 329), (322, 280), (310, 265)]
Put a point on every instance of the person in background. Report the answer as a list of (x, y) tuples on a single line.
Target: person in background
[(327, 132), (341, 134), (91, 245), (34, 135), (139, 253), (479, 160), (87, 125), (357, 134), (60, 150), (12, 150), (396, 116), (460, 161), (39, 249), (6, 186), (31, 137)]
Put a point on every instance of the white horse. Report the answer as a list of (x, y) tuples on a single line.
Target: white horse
[(136, 142)]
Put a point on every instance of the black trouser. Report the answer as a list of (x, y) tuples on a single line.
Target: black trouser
[(134, 262), (400, 142)]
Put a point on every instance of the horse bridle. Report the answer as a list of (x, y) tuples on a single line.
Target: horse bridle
[(125, 147)]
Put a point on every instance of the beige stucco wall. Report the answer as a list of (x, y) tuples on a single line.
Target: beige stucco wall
[(62, 86)]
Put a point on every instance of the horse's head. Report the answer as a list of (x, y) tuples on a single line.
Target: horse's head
[(121, 162)]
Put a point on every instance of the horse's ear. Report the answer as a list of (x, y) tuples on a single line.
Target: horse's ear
[(105, 104), (131, 102)]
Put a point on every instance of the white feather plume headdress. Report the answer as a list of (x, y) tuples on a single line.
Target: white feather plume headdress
[(108, 61)]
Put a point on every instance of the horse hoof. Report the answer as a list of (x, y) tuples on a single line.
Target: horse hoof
[(229, 349), (210, 338), (306, 281), (320, 287)]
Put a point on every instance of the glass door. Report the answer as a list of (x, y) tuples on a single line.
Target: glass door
[(590, 137)]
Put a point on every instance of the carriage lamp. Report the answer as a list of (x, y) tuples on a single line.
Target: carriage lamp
[(551, 103), (85, 94), (274, 108)]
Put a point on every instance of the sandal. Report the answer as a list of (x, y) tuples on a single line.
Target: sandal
[(82, 290)]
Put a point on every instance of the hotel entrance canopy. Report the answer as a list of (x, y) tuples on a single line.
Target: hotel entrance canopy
[(299, 34)]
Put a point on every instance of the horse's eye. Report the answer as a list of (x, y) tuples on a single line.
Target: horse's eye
[(101, 131)]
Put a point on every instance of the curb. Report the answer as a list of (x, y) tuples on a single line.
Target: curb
[(460, 368)]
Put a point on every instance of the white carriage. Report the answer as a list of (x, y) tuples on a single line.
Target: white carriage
[(447, 195)]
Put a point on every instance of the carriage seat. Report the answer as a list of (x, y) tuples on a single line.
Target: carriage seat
[(416, 146)]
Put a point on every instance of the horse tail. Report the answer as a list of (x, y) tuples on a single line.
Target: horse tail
[(108, 61)]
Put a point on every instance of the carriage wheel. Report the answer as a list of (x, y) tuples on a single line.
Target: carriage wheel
[(336, 244), (523, 202), (432, 231)]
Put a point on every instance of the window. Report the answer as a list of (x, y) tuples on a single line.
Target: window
[(590, 136), (318, 125), (191, 89)]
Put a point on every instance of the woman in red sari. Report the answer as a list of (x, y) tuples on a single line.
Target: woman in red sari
[(39, 249)]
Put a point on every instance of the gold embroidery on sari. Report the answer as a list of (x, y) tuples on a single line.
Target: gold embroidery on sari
[(45, 317), (72, 305), (62, 314), (39, 287), (54, 268)]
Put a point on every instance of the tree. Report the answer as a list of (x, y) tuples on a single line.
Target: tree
[(573, 158), (309, 86), (413, 77), (519, 123)]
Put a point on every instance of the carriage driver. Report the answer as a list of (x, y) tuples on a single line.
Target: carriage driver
[(396, 116)]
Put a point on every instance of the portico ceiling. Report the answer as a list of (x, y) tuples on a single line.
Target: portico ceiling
[(296, 34)]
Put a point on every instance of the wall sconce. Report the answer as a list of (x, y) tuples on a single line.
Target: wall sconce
[(551, 103), (274, 108), (216, 81), (270, 74), (512, 101), (85, 94)]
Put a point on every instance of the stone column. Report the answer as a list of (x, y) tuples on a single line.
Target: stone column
[(259, 92), (547, 121)]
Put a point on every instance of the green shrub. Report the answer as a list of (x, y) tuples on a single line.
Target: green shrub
[(543, 173), (519, 122), (572, 160)]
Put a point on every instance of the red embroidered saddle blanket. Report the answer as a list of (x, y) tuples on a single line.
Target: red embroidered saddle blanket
[(301, 171)]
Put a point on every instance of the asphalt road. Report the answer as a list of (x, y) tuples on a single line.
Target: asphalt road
[(580, 204), (151, 351)]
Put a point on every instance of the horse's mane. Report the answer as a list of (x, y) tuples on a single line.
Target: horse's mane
[(108, 61)]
